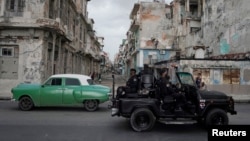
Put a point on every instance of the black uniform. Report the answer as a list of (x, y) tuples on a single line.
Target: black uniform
[(132, 83), (167, 90), (131, 87)]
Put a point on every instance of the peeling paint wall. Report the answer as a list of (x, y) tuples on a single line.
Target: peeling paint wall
[(155, 24), (151, 34), (48, 37), (231, 77), (227, 26)]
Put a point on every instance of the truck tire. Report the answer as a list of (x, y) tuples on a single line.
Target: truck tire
[(142, 119), (216, 117)]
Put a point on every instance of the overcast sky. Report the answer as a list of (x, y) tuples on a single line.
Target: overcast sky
[(112, 21)]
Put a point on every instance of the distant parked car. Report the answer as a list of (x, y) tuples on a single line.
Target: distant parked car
[(61, 90)]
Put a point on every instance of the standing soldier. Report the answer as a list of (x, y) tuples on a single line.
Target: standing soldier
[(198, 80)]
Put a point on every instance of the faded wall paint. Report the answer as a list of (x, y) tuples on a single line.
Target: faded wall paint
[(214, 78), (40, 37), (216, 68), (155, 25), (227, 30)]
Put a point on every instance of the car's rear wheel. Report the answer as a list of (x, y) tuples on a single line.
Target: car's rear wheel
[(91, 105), (25, 103), (216, 117), (142, 119)]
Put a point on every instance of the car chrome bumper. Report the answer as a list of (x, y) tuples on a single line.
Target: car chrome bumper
[(12, 99)]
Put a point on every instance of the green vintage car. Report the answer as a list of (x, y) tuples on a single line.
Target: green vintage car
[(61, 90)]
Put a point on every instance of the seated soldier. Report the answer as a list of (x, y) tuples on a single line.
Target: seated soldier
[(131, 85), (166, 89)]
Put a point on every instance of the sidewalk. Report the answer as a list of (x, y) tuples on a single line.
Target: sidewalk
[(241, 98)]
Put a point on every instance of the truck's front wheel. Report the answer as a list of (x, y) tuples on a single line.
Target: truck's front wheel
[(142, 119), (216, 117)]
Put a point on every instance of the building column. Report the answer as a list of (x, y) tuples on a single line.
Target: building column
[(46, 60), (188, 6), (199, 8), (53, 54), (59, 56)]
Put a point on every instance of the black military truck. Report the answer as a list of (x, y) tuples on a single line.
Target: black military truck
[(145, 107)]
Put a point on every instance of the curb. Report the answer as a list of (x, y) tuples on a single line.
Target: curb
[(242, 100), (5, 98)]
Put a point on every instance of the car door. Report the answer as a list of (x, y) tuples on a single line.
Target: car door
[(71, 85), (51, 92)]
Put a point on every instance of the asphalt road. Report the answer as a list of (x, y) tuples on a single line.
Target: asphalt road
[(76, 124)]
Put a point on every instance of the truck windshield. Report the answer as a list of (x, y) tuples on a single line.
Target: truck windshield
[(186, 78)]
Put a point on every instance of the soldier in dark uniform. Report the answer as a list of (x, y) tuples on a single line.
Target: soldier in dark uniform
[(166, 89), (131, 85), (164, 84)]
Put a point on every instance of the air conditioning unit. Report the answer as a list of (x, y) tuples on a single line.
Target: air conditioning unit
[(162, 52)]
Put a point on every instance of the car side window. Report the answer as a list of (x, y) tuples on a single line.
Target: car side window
[(72, 82), (90, 81), (56, 82)]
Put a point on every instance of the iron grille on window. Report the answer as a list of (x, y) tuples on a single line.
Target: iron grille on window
[(15, 5)]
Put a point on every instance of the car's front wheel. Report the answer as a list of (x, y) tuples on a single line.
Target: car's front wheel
[(216, 117), (91, 105), (142, 119), (25, 103)]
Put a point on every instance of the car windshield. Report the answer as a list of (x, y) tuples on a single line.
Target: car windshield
[(91, 82), (186, 78)]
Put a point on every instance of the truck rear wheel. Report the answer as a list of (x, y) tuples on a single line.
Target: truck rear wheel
[(142, 119), (216, 117)]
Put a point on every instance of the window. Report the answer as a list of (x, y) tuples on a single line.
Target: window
[(81, 32), (7, 52), (74, 27), (90, 81), (231, 76), (15, 5), (51, 9), (72, 82), (9, 58), (20, 5), (54, 82)]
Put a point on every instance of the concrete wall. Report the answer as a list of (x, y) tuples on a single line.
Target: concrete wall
[(226, 26), (213, 74), (154, 24), (46, 39), (153, 35)]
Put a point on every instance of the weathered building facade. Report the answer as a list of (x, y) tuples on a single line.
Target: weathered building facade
[(213, 39), (204, 36), (41, 38), (149, 38)]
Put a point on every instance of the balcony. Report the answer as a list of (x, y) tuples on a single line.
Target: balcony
[(134, 26), (192, 16), (134, 10)]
